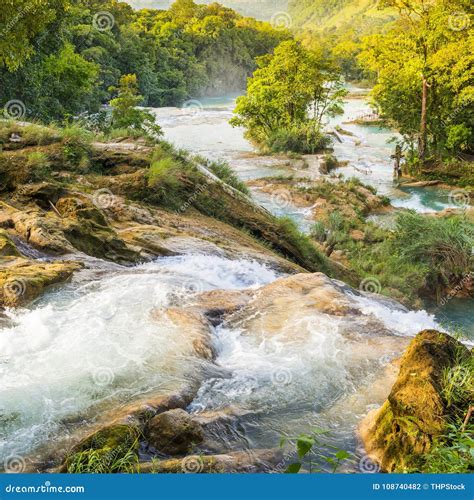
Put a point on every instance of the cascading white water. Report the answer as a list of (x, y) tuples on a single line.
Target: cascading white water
[(96, 342), (90, 345)]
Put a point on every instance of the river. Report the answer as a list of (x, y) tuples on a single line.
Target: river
[(202, 127), (92, 344)]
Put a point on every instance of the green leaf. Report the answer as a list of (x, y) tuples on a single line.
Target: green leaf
[(293, 468), (342, 455), (304, 445)]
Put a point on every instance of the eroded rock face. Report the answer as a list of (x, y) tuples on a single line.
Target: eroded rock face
[(22, 280), (416, 411), (174, 432), (301, 293)]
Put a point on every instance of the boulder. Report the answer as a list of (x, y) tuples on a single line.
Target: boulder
[(7, 247), (174, 432), (399, 433), (22, 280), (217, 303), (192, 327), (103, 450)]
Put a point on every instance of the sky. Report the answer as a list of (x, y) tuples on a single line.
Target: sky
[(260, 9)]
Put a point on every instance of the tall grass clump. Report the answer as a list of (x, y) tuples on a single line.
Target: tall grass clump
[(225, 173), (303, 138), (76, 146), (443, 245)]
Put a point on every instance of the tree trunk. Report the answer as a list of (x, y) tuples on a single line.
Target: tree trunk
[(422, 139)]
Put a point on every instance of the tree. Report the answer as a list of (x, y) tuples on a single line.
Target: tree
[(20, 22), (424, 65), (126, 114), (292, 89)]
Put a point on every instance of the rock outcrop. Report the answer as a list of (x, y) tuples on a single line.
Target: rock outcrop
[(22, 280), (174, 432), (417, 410)]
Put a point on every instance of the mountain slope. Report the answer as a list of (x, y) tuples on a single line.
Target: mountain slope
[(259, 9), (330, 14)]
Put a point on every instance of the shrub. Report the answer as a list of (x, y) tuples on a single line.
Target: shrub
[(125, 111), (76, 146), (225, 173), (443, 245), (302, 138), (39, 165)]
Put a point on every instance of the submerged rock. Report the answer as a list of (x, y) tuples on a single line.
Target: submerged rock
[(174, 432), (417, 410), (250, 461)]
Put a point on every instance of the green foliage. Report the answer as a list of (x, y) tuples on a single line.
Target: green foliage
[(422, 256), (104, 462), (302, 138), (126, 115), (458, 382), (22, 21), (336, 28), (442, 245), (288, 231), (76, 147), (310, 447), (225, 173), (39, 165), (72, 64), (31, 134), (287, 98), (452, 453), (107, 453), (422, 45)]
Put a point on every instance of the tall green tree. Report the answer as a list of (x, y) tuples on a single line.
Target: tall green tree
[(425, 74), (21, 21), (291, 88)]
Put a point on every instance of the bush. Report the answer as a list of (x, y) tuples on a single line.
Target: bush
[(302, 138), (225, 173), (443, 245), (76, 146), (39, 165), (126, 114)]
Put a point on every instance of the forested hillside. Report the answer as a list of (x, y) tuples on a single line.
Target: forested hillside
[(76, 55), (337, 26), (323, 14), (260, 9)]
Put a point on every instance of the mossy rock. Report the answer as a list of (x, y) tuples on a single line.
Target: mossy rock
[(417, 410), (7, 247), (111, 449), (22, 281)]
